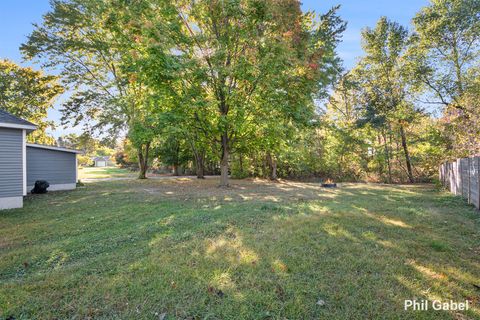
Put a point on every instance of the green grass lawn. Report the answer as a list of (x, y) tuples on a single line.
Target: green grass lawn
[(185, 249), (103, 172)]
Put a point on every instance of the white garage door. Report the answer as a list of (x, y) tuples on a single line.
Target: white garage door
[(101, 164)]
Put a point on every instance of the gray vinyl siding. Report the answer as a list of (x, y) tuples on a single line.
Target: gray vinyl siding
[(11, 162), (57, 167)]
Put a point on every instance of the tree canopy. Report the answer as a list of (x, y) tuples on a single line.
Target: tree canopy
[(29, 94), (256, 88)]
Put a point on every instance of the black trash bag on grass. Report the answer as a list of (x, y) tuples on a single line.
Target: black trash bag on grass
[(41, 186)]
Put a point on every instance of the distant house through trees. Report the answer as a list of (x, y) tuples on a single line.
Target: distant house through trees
[(101, 161)]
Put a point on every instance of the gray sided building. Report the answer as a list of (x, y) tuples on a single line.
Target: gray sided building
[(22, 164), (56, 165)]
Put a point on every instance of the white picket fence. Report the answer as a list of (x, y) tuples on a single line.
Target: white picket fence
[(462, 178)]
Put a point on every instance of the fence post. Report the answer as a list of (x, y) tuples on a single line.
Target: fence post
[(461, 165), (469, 173), (441, 174), (478, 182), (450, 175), (447, 180), (460, 176), (444, 169)]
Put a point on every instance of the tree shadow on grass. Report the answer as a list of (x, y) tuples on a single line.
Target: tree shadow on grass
[(360, 249)]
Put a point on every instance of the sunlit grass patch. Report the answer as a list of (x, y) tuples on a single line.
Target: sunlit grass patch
[(114, 250), (103, 172)]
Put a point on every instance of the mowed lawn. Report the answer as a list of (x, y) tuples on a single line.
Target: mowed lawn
[(185, 249), (104, 172)]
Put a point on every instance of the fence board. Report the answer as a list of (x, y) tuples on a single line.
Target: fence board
[(462, 177), (474, 182)]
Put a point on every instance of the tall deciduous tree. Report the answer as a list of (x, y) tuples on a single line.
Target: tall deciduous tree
[(446, 58), (29, 94), (95, 45), (240, 50), (447, 47), (386, 90)]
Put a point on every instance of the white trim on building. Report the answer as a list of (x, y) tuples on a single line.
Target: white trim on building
[(76, 168), (59, 187), (41, 146), (24, 161), (17, 126), (11, 203), (100, 163)]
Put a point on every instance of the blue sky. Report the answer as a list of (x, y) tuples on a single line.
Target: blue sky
[(17, 16)]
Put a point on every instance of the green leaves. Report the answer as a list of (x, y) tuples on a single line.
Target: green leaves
[(222, 75), (29, 94), (385, 89), (447, 47)]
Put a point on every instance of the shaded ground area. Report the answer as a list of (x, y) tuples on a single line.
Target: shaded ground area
[(185, 249)]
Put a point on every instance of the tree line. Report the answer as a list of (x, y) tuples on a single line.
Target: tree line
[(256, 88)]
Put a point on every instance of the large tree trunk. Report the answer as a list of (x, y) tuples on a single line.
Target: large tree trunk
[(240, 160), (375, 157), (264, 168), (200, 164), (387, 157), (224, 161), (255, 165), (176, 164), (199, 157), (407, 155), (458, 68), (143, 161), (272, 163)]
